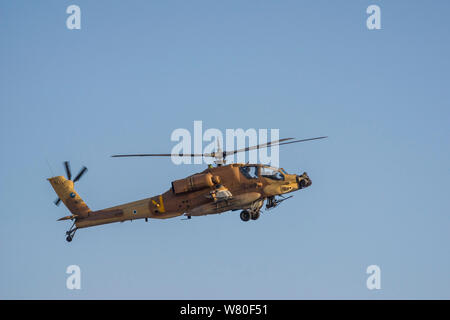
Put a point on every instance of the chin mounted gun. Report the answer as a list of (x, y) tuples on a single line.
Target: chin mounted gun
[(272, 202)]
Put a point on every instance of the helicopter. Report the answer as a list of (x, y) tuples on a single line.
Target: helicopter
[(224, 187)]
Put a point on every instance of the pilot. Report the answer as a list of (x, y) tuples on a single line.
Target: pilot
[(246, 172)]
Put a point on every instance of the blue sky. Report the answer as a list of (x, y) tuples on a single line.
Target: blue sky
[(138, 70)]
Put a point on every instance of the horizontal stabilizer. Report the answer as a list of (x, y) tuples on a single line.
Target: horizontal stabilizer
[(68, 217)]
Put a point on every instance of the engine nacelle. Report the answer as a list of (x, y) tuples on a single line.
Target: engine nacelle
[(194, 183)]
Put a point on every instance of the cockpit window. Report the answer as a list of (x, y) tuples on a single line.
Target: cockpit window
[(271, 173), (250, 172)]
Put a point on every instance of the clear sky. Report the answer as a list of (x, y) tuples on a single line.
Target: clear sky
[(137, 70)]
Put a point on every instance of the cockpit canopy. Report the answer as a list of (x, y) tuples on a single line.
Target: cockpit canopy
[(272, 173), (265, 171)]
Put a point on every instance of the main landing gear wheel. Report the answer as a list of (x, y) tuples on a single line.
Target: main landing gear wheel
[(255, 215), (245, 215)]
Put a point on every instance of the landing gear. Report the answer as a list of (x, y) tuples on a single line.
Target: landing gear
[(71, 233), (245, 215), (253, 212), (255, 215)]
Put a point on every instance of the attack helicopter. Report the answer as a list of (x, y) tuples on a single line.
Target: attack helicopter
[(217, 189)]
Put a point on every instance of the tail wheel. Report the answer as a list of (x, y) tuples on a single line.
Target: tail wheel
[(245, 215), (71, 233), (255, 215)]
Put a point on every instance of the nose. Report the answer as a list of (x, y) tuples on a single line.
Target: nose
[(303, 181)]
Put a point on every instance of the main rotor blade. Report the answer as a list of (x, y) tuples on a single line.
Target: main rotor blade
[(68, 173), (162, 155), (226, 153), (303, 140), (80, 174), (259, 146), (264, 145)]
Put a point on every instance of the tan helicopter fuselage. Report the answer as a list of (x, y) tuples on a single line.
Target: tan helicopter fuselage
[(189, 196)]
